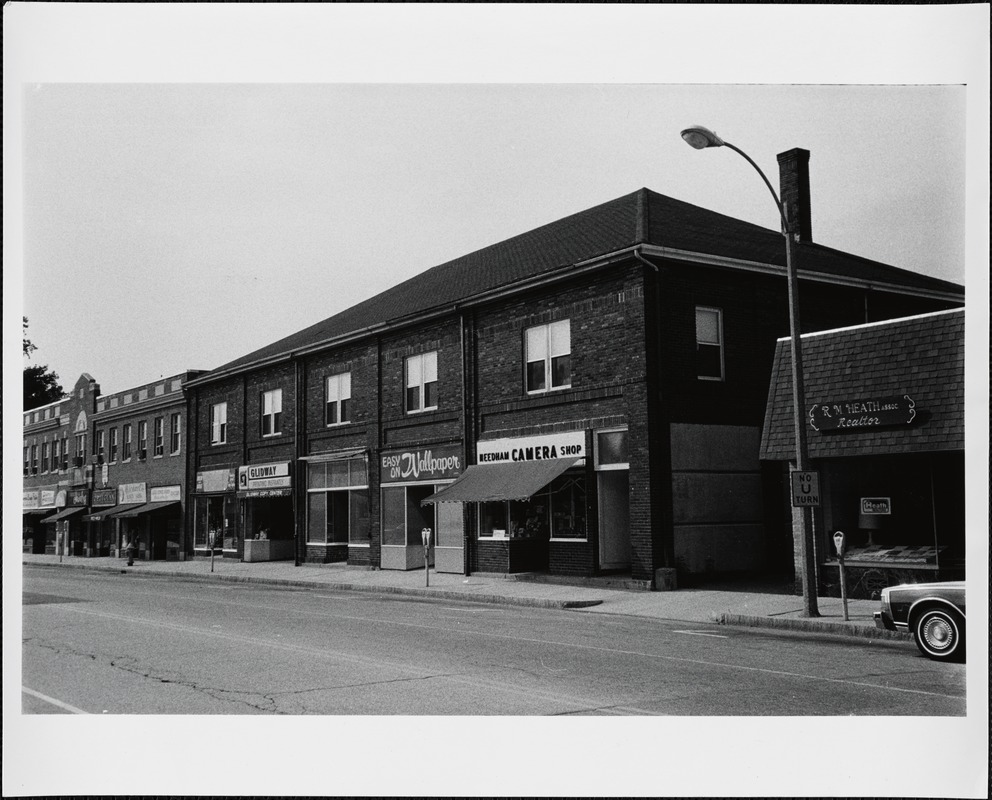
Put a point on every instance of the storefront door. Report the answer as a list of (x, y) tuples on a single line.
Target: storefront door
[(614, 520)]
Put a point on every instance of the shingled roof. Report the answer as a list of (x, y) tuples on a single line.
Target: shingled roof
[(641, 218), (921, 356)]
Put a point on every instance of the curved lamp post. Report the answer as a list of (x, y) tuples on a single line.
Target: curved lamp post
[(700, 138)]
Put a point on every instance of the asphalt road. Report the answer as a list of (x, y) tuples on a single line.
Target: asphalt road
[(114, 644)]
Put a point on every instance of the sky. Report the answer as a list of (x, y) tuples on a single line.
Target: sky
[(193, 223), (186, 183)]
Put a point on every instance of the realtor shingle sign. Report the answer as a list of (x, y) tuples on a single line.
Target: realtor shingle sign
[(876, 412)]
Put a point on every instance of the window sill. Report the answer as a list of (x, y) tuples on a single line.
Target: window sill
[(578, 541), (342, 424), (421, 411), (539, 392)]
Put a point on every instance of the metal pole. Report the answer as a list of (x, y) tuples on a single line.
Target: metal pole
[(807, 544), (843, 586)]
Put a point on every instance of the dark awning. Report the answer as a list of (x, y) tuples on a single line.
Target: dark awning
[(33, 511), (512, 481), (65, 514), (110, 511), (147, 508)]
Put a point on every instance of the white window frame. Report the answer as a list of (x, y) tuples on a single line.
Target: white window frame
[(719, 343), (142, 439), (127, 442), (337, 389), (45, 457), (271, 410), (159, 437), (551, 350), (218, 423), (101, 446), (175, 434), (416, 371), (114, 446)]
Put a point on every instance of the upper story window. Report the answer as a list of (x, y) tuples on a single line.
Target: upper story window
[(337, 407), (65, 452), (176, 429), (549, 356), (421, 382), (159, 436), (113, 445), (44, 456), (218, 423), (56, 456), (27, 460), (709, 344), (272, 412), (142, 439), (34, 459), (126, 447), (80, 449), (101, 445)]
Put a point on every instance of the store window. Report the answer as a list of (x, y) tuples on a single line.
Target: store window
[(403, 516), (558, 512), (272, 412), (421, 382), (215, 521), (142, 440), (338, 502), (126, 447), (611, 450), (709, 344), (175, 437), (549, 356), (218, 423), (159, 436), (113, 445), (337, 406)]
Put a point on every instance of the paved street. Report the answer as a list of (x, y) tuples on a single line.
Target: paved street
[(118, 644)]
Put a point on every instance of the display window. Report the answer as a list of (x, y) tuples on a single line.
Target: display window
[(404, 517), (215, 522), (338, 502), (556, 512)]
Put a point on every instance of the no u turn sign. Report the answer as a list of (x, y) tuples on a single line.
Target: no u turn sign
[(805, 489)]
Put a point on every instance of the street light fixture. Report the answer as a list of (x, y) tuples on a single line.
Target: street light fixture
[(701, 138)]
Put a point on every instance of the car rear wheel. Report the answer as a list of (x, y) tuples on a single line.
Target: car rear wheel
[(939, 634)]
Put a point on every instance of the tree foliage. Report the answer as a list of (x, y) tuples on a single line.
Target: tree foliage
[(41, 385)]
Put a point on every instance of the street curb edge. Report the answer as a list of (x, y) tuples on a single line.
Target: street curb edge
[(813, 626)]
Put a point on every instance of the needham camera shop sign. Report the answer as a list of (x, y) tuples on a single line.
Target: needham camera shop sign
[(533, 448), (864, 413)]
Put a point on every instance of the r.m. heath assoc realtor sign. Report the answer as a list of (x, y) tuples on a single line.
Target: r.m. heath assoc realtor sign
[(533, 448), (875, 412)]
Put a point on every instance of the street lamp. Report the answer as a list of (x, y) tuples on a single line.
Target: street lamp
[(701, 138)]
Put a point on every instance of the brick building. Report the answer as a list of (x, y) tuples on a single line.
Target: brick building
[(112, 469), (886, 435), (583, 398)]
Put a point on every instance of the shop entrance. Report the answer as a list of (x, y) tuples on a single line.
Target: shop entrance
[(614, 520)]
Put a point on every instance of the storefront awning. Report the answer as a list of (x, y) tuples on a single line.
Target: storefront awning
[(37, 511), (511, 481), (109, 511), (145, 508), (65, 514)]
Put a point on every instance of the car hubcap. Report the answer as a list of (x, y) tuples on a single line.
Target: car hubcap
[(938, 634)]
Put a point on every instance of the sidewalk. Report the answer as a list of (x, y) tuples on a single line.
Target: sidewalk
[(697, 606)]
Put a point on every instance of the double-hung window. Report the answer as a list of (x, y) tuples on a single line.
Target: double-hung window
[(272, 412), (218, 423), (65, 452), (709, 344), (337, 407), (44, 456), (126, 447), (34, 459), (176, 433), (421, 382), (113, 445), (159, 436), (142, 440), (27, 460), (549, 356), (80, 449), (101, 446), (56, 456)]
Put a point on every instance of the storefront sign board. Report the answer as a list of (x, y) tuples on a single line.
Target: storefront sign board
[(871, 412), (165, 494), (424, 464), (532, 448), (215, 480), (104, 497), (264, 476), (48, 497), (132, 493), (31, 499), (78, 497)]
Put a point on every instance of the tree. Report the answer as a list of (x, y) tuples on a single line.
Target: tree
[(41, 385)]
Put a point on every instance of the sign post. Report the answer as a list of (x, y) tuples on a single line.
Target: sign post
[(839, 544), (425, 535)]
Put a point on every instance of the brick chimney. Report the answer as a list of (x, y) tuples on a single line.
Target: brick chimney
[(793, 176)]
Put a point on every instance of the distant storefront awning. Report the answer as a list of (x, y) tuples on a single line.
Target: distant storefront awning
[(109, 512), (64, 514), (37, 511), (510, 481), (147, 508)]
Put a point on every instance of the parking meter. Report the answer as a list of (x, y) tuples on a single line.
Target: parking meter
[(839, 544), (425, 535)]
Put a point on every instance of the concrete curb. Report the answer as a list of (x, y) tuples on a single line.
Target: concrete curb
[(814, 626), (426, 592)]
